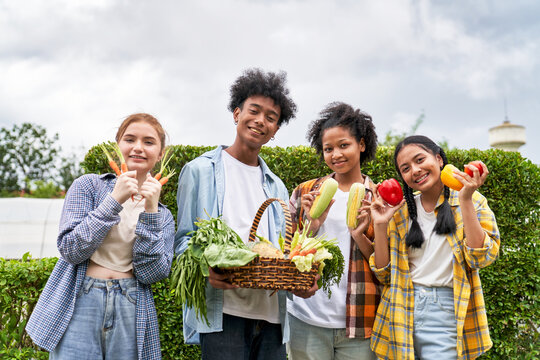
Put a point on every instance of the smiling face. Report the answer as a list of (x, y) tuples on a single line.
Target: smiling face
[(420, 169), (257, 121), (140, 146), (341, 150)]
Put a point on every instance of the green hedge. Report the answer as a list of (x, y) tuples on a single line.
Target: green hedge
[(511, 285)]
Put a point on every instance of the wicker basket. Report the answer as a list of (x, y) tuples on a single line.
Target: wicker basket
[(272, 274)]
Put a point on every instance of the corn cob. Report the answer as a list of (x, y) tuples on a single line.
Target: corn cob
[(356, 196), (326, 193)]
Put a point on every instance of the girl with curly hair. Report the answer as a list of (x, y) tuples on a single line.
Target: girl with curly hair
[(338, 327)]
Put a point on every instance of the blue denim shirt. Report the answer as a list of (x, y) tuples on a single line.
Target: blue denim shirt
[(201, 188)]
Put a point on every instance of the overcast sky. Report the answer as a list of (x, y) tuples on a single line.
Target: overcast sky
[(79, 67)]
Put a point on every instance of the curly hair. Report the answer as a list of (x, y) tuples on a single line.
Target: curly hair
[(359, 123), (257, 82), (446, 224)]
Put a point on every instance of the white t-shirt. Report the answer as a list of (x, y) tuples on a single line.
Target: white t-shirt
[(432, 264), (244, 195), (319, 310)]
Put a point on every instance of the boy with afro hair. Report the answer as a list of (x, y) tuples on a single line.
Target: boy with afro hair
[(232, 182)]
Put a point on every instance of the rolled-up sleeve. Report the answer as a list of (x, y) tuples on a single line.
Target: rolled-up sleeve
[(382, 274), (83, 228), (481, 257), (153, 247)]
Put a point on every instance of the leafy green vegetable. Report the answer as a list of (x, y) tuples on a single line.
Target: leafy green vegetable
[(225, 255), (328, 255), (281, 242), (303, 263), (331, 269), (190, 269)]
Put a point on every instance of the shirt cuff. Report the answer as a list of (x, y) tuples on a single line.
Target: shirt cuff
[(110, 206), (488, 243), (151, 221), (376, 271)]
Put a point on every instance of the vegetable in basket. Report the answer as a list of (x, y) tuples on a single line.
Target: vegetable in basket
[(213, 244), (309, 250), (265, 248)]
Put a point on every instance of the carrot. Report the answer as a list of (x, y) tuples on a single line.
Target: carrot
[(112, 163), (307, 252), (164, 180), (116, 148), (114, 166), (295, 251), (164, 161)]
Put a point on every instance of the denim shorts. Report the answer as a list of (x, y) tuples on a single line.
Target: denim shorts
[(309, 342), (103, 322), (435, 326)]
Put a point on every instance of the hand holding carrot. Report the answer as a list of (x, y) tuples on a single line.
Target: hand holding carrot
[(150, 190), (126, 186)]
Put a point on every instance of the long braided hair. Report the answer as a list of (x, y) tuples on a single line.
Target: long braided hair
[(446, 224)]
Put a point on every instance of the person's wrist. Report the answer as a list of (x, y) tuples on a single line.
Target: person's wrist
[(116, 196)]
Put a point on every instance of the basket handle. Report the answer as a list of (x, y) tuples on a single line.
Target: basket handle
[(288, 222)]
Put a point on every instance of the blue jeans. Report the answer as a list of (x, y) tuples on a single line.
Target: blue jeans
[(103, 322), (243, 338), (309, 342), (435, 326)]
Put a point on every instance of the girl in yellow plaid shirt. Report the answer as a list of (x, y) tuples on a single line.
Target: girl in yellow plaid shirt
[(427, 255)]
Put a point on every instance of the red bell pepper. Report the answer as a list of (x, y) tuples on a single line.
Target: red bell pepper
[(391, 191), (478, 165)]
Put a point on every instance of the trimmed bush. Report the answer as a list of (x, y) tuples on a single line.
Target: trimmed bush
[(511, 285)]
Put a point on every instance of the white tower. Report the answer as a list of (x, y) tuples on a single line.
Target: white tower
[(507, 136)]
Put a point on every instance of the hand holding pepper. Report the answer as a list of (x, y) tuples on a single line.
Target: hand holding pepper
[(473, 177), (381, 213), (391, 191)]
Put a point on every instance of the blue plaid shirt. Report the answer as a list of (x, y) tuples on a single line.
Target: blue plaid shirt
[(89, 213)]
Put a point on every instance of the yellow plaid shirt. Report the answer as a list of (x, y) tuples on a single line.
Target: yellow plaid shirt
[(392, 336)]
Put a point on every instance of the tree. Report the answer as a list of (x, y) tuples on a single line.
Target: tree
[(391, 139), (8, 175), (28, 154), (68, 171)]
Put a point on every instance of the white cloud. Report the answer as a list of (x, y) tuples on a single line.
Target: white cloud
[(79, 67)]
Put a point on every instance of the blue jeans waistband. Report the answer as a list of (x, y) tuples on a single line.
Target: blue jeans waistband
[(440, 291), (123, 284)]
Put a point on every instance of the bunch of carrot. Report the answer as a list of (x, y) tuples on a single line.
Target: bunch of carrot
[(111, 147), (303, 245), (297, 251)]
